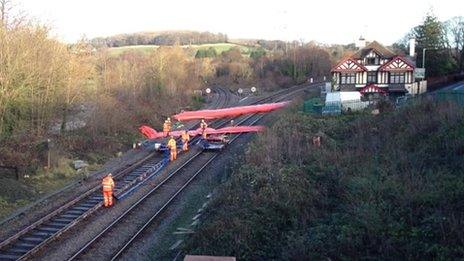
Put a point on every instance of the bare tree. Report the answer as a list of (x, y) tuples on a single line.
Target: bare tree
[(11, 17), (455, 31), (5, 9)]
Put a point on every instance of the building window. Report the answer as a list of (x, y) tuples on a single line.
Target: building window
[(371, 77), (397, 77), (372, 61), (348, 78)]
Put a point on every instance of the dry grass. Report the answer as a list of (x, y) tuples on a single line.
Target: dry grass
[(383, 187)]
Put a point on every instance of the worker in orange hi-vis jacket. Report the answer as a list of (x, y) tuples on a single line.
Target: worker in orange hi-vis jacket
[(108, 185), (203, 127), (172, 145), (167, 126), (185, 140)]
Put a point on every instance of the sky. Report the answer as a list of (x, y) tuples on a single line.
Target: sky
[(324, 21)]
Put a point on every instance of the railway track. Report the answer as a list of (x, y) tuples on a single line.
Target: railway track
[(147, 210), (35, 236)]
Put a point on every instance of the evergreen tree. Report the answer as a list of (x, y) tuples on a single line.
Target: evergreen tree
[(432, 36), (201, 53), (204, 53), (211, 52), (257, 53)]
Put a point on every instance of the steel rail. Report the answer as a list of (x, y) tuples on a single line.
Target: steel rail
[(47, 238), (35, 235), (16, 237), (150, 221), (169, 201)]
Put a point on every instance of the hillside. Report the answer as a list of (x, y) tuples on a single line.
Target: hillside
[(388, 186), (193, 48), (159, 38), (144, 42)]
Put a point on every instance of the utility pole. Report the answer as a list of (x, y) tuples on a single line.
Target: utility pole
[(48, 155), (294, 61), (423, 57)]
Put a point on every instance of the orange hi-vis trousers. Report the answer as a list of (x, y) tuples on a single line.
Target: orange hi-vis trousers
[(173, 154), (185, 146), (108, 198)]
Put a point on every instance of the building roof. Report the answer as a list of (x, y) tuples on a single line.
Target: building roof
[(403, 64), (337, 97), (332, 97), (372, 88), (377, 47), (348, 65), (350, 96)]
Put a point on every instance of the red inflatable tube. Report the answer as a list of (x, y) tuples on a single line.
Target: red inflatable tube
[(229, 112), (150, 133)]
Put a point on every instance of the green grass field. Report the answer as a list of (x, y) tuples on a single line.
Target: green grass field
[(220, 47), (146, 49)]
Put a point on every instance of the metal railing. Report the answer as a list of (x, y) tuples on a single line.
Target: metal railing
[(454, 97), (318, 107)]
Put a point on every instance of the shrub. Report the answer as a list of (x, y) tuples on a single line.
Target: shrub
[(386, 187)]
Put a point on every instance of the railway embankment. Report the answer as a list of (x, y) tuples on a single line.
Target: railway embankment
[(387, 185)]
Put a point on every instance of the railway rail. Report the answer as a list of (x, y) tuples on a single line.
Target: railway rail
[(149, 208), (34, 237)]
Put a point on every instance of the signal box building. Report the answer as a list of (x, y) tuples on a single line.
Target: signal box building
[(374, 70)]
